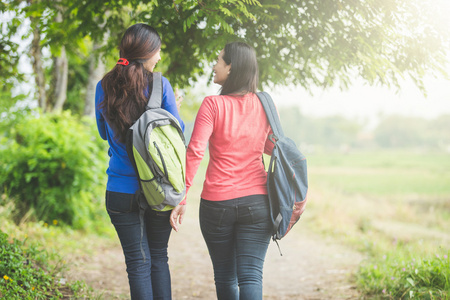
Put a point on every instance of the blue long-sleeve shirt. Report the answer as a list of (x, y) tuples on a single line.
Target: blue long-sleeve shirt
[(121, 175)]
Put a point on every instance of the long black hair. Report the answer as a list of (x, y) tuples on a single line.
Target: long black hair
[(243, 77), (125, 87)]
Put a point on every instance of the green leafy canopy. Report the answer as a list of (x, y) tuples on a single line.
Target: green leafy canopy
[(303, 42)]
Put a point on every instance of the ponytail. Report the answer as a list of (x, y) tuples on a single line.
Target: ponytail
[(127, 86)]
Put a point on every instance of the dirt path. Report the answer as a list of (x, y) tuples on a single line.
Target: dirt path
[(310, 268)]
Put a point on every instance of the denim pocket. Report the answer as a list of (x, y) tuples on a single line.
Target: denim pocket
[(258, 209), (211, 213), (117, 203), (259, 214)]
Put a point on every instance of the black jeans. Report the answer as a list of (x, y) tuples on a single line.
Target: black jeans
[(237, 233), (144, 235)]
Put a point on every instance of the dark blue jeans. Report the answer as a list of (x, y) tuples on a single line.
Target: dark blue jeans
[(144, 235), (237, 233)]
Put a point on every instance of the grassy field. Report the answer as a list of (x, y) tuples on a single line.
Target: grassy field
[(398, 193), (394, 206), (384, 174)]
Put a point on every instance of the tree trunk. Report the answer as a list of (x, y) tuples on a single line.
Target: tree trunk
[(96, 72), (61, 75), (37, 67)]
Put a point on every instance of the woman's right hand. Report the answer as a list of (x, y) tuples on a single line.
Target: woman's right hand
[(177, 215)]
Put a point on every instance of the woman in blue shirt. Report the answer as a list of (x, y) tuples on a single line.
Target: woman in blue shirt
[(120, 99)]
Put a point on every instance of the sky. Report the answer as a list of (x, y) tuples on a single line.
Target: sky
[(361, 101)]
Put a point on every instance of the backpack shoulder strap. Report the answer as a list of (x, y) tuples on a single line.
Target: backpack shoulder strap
[(157, 92), (271, 113)]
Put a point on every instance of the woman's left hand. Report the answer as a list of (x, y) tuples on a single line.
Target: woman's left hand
[(177, 215)]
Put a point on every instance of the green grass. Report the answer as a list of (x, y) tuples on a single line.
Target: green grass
[(383, 173), (384, 159), (394, 206), (396, 276)]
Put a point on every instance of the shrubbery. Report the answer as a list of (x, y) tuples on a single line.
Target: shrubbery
[(26, 273), (53, 167)]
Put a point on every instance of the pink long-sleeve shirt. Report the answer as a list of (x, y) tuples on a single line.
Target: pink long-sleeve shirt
[(237, 130)]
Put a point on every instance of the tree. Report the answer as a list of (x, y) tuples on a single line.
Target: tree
[(438, 134), (9, 60), (401, 132), (309, 43), (304, 42), (40, 15)]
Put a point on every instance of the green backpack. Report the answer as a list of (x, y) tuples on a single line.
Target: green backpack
[(156, 147)]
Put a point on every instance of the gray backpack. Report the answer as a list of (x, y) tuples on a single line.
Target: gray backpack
[(156, 147), (287, 179)]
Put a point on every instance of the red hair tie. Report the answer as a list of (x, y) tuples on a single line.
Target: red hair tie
[(123, 61)]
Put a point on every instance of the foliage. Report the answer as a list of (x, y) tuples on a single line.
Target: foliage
[(308, 43), (8, 101), (342, 134), (192, 32), (27, 273), (78, 78), (302, 42), (53, 167), (9, 54), (396, 277), (398, 131), (333, 132)]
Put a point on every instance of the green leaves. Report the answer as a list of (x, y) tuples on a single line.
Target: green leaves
[(54, 168), (306, 43)]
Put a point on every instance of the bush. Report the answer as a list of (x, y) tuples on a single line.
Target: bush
[(26, 273), (397, 277), (52, 166)]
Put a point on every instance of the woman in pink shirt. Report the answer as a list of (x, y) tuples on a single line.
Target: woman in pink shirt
[(234, 208)]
